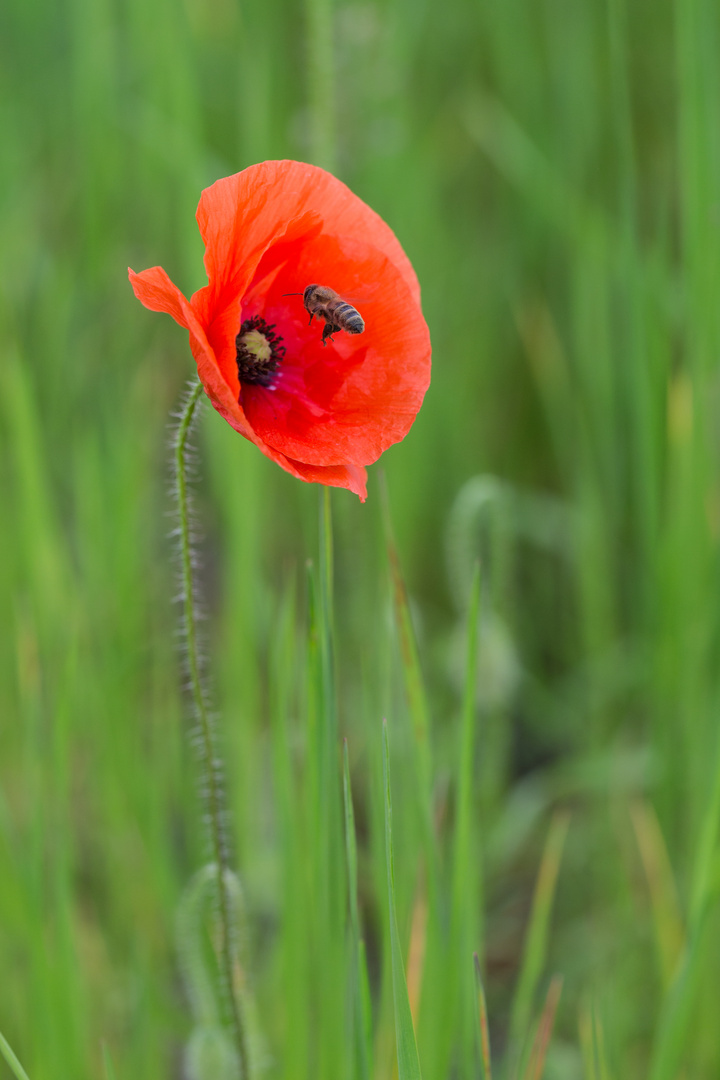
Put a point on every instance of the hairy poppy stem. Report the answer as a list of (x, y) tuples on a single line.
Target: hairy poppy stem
[(211, 787)]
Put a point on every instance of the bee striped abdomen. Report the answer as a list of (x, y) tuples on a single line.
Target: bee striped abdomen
[(348, 319)]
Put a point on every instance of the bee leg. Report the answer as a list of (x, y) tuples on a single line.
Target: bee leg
[(329, 329), (311, 319)]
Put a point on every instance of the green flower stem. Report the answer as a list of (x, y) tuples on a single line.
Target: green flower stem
[(211, 789)]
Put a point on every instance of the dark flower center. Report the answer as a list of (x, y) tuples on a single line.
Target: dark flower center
[(259, 352)]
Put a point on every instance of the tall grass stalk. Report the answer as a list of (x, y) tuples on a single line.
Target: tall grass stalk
[(536, 940), (362, 1009), (407, 1053), (466, 890), (321, 81), (11, 1059), (211, 779)]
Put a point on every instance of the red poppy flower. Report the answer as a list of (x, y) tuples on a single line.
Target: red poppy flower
[(321, 409)]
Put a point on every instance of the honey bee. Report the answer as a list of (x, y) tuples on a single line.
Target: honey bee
[(325, 303)]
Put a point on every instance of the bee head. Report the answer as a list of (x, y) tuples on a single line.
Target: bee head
[(307, 295)]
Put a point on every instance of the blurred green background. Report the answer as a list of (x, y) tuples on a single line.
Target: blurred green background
[(553, 171)]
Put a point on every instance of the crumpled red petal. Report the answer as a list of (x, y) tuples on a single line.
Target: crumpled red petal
[(240, 216)]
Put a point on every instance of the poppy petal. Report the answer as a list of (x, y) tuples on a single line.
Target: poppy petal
[(240, 216), (352, 477), (156, 291), (350, 400)]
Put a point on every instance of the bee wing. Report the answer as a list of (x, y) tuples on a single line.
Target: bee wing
[(357, 299)]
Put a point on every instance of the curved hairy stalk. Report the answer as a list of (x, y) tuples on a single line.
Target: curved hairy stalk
[(210, 786)]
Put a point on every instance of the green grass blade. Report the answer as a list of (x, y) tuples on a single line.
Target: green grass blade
[(705, 860), (108, 1065), (362, 990), (328, 873), (350, 844), (321, 80), (481, 1024), (535, 948), (600, 1043), (536, 1065), (466, 901), (665, 904), (412, 672), (679, 1007), (592, 1042), (466, 851), (588, 1041), (15, 1066), (417, 700), (325, 613), (365, 1034), (407, 1055)]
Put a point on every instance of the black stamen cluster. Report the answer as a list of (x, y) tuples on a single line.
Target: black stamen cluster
[(251, 367)]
